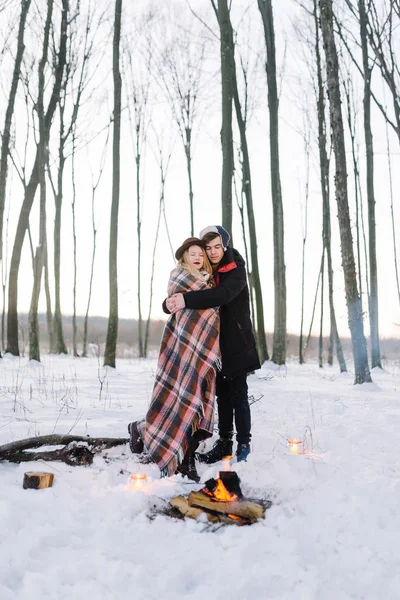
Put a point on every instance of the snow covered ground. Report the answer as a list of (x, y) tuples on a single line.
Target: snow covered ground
[(332, 532)]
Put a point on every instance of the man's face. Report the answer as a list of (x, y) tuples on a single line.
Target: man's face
[(215, 250)]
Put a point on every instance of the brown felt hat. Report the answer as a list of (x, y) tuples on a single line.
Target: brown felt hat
[(192, 241)]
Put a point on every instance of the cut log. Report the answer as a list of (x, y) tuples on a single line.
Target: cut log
[(239, 508), (37, 480), (182, 505)]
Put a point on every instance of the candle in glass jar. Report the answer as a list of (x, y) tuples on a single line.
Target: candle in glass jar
[(294, 445), (138, 479)]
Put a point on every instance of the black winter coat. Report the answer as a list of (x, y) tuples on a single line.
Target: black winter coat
[(237, 343)]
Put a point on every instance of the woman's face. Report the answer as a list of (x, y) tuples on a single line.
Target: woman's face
[(196, 257)]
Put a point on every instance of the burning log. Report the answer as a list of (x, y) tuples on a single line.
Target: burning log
[(222, 501), (181, 503), (228, 480), (239, 508)]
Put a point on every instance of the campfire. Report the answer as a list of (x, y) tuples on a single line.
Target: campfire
[(222, 501)]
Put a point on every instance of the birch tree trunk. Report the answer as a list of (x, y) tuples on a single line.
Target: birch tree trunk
[(112, 330), (362, 373)]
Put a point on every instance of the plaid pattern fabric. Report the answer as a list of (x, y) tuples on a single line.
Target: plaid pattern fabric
[(184, 388)]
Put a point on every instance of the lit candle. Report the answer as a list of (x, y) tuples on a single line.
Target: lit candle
[(138, 479), (294, 445)]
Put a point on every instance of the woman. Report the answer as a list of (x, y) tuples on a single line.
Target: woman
[(181, 412)]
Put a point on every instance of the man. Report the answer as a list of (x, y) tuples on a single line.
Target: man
[(237, 344)]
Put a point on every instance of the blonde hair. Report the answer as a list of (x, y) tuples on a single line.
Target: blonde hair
[(184, 264)]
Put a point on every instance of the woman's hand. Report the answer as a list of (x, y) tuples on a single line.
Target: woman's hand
[(175, 302)]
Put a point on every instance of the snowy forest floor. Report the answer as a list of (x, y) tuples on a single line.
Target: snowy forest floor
[(331, 533)]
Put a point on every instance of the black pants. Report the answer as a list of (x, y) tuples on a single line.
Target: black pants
[(233, 403)]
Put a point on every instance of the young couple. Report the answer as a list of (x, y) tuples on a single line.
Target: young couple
[(207, 350)]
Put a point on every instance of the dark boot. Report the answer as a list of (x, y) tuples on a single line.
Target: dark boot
[(188, 464), (242, 452), (222, 447), (135, 442)]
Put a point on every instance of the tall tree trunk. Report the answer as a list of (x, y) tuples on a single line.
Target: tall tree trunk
[(139, 241), (41, 250), (74, 327), (394, 242), (94, 231), (86, 321), (321, 321), (255, 272), (49, 314), (247, 189), (153, 260), (60, 347), (112, 330), (279, 343), (188, 154), (227, 77), (362, 373), (303, 253), (240, 205), (6, 133), (369, 147), (30, 191), (325, 190)]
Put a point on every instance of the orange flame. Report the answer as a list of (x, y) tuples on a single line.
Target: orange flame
[(222, 494)]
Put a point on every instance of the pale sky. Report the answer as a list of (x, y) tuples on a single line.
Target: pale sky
[(295, 95)]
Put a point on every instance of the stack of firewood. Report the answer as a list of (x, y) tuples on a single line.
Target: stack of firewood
[(222, 501)]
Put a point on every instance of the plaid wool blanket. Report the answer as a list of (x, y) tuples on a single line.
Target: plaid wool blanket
[(184, 388)]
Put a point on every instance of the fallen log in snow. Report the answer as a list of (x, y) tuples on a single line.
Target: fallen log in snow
[(78, 450)]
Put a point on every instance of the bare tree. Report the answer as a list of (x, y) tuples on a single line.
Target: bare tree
[(304, 231), (180, 70), (362, 373), (112, 330), (324, 165), (30, 189), (6, 133), (79, 53), (389, 162), (4, 264), (376, 32), (373, 268), (95, 185), (41, 250), (138, 88), (279, 341), (163, 158), (73, 207), (247, 190)]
